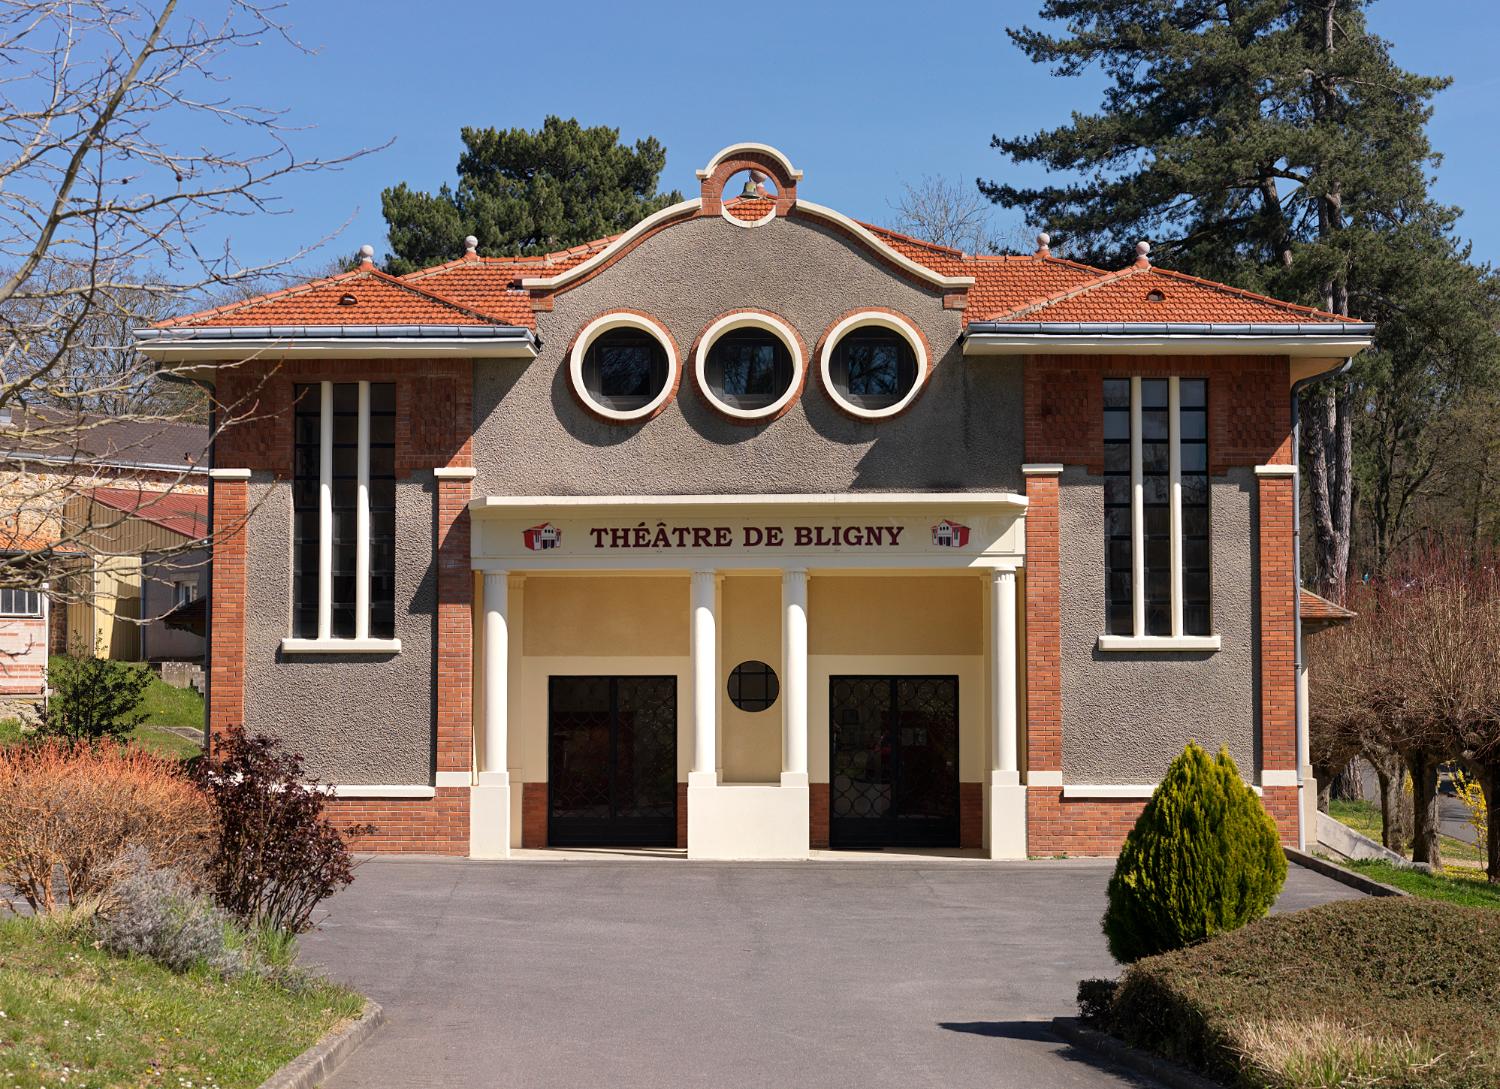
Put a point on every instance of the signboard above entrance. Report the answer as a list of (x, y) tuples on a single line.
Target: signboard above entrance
[(909, 529)]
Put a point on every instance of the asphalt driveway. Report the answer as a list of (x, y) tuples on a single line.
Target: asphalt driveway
[(663, 974)]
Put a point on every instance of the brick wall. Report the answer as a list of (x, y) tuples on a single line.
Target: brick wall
[(1077, 826), (971, 814), (438, 825), (455, 635), (1043, 626), (1281, 803), (533, 814), (817, 817)]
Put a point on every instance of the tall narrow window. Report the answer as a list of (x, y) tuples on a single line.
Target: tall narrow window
[(344, 511), (1156, 507)]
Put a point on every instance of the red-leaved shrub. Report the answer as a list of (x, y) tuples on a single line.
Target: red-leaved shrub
[(278, 856), (70, 813)]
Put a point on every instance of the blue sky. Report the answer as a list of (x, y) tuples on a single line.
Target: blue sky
[(861, 97)]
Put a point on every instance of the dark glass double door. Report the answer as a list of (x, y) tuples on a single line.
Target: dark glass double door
[(894, 762), (612, 761)]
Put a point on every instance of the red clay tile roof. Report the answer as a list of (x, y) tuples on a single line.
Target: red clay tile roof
[(749, 209), (13, 539), (1320, 612), (475, 290), (179, 512), (1144, 293), (379, 299)]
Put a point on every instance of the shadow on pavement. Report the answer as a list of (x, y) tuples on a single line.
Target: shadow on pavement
[(1008, 1030)]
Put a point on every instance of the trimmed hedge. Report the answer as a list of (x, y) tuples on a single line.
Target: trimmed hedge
[(1399, 993), (1202, 858)]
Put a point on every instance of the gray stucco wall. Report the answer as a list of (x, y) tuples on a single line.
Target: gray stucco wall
[(362, 718), (1126, 715), (533, 438)]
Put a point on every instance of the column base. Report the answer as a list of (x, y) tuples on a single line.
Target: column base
[(736, 821), (1309, 807), (489, 817), (1004, 816)]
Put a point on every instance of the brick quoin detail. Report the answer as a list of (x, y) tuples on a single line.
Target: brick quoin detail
[(226, 666), (438, 825), (455, 723), (1043, 626), (1278, 647)]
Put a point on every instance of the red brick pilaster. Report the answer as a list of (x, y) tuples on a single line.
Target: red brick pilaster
[(455, 584), (817, 816), (226, 652), (1277, 620), (533, 814), (1043, 625)]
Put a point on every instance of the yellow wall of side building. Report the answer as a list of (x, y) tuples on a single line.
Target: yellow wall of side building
[(875, 624)]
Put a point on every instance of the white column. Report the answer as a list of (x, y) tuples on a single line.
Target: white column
[(1005, 797), (704, 648), (794, 678), (362, 519), (489, 801), (325, 511)]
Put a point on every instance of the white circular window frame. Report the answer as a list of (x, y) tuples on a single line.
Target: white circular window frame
[(885, 321), (777, 328), (592, 332)]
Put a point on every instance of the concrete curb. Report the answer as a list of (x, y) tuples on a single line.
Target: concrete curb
[(1120, 1053), (319, 1061), (1366, 885)]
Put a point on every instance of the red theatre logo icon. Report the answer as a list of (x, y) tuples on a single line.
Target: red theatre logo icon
[(542, 537), (948, 534)]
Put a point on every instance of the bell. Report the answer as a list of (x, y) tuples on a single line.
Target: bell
[(750, 189)]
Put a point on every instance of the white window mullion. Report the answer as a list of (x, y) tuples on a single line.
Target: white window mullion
[(325, 512), (1174, 441), (1137, 513), (362, 520)]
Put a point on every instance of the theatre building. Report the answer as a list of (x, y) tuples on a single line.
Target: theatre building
[(756, 530)]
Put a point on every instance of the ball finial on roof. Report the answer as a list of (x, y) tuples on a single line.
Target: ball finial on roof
[(471, 246), (1142, 249), (367, 254), (1043, 244)]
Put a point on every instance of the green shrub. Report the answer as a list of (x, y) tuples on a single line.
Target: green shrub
[(93, 698), (1203, 858), (1398, 993)]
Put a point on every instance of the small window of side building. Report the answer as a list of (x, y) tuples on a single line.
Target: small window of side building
[(20, 603)]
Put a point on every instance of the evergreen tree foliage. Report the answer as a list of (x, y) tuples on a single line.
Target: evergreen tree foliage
[(93, 698), (1203, 858), (527, 192), (1276, 145)]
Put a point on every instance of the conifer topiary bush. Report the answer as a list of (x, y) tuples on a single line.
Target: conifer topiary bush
[(1203, 858)]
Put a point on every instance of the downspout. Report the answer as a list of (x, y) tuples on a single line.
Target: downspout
[(1298, 706)]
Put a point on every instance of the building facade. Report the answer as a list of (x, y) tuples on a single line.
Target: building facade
[(756, 530)]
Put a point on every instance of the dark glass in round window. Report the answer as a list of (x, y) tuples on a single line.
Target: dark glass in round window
[(873, 367), (748, 368), (753, 686), (625, 369)]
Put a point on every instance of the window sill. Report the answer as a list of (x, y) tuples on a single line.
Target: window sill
[(1158, 643), (341, 646)]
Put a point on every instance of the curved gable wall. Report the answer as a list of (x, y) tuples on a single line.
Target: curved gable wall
[(532, 437)]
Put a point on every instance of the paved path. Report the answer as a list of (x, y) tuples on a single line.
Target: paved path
[(537, 975)]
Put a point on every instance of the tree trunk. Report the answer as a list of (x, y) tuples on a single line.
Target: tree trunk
[(1328, 463), (1489, 780), (1423, 765), (1393, 825)]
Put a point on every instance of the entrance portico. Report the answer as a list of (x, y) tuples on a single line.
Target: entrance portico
[(807, 588)]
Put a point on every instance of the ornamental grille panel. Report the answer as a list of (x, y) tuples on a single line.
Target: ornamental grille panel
[(893, 761), (612, 761)]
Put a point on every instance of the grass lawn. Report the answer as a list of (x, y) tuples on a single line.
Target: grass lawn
[(1364, 818), (166, 709), (1456, 885), (77, 1016)]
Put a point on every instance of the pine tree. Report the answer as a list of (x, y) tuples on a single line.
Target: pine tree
[(1272, 144), (522, 192), (1202, 858)]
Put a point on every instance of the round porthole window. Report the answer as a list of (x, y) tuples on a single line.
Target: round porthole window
[(873, 364), (749, 365), (624, 366), (753, 686)]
